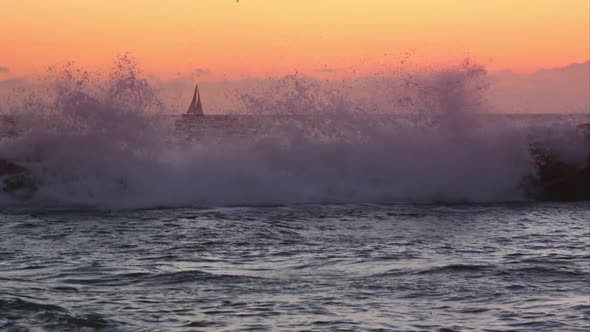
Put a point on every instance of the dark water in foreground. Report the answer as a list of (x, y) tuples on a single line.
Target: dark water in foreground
[(318, 268)]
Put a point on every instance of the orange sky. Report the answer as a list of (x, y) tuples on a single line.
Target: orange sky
[(260, 37)]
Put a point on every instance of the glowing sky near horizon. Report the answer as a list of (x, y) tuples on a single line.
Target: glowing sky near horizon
[(261, 37)]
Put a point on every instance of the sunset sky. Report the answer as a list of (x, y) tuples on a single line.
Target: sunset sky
[(225, 38)]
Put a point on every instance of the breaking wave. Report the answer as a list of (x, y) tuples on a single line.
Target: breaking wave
[(411, 137)]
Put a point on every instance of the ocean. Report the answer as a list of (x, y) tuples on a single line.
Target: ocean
[(403, 206), (496, 267)]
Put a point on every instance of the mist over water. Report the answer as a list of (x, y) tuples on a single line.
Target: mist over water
[(420, 137)]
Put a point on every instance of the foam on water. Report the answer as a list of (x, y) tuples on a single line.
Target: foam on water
[(419, 137)]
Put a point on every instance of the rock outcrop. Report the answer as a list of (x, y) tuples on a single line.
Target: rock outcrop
[(557, 180), (17, 181)]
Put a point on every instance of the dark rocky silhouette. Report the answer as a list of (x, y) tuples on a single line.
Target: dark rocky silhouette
[(17, 181), (557, 180)]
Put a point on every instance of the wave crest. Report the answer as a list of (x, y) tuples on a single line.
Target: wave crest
[(415, 137)]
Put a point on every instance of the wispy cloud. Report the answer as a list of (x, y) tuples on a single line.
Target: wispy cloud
[(556, 90), (4, 70), (201, 72), (13, 82)]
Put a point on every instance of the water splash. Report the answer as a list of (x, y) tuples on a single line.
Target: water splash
[(104, 141)]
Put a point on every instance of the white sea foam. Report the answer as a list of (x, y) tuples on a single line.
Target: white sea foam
[(422, 137)]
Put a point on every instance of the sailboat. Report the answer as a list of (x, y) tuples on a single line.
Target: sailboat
[(196, 108), (195, 122)]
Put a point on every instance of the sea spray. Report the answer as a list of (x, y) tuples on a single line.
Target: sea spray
[(419, 137)]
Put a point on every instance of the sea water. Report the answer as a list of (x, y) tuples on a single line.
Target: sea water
[(496, 267), (397, 207)]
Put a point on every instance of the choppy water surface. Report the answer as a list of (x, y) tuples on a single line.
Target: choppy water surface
[(321, 268)]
